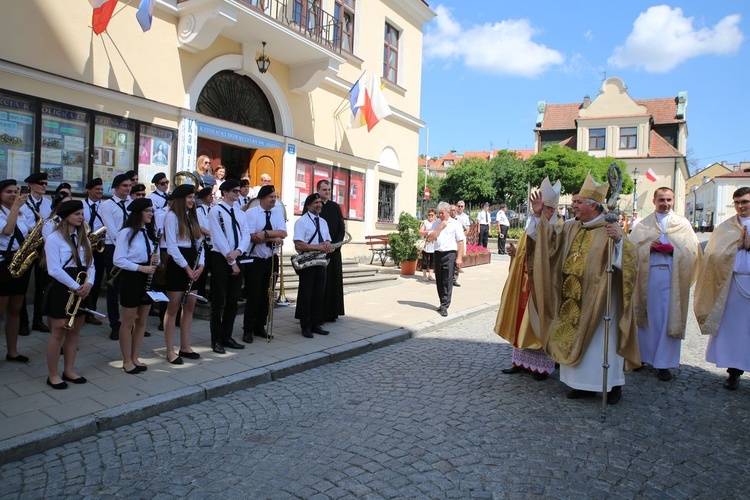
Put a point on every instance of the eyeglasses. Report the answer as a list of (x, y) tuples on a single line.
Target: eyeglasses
[(206, 162), (42, 183), (163, 183), (148, 210), (742, 203), (236, 191)]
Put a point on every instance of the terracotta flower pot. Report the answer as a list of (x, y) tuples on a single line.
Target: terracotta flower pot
[(408, 267)]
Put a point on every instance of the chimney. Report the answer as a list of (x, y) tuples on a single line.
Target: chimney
[(586, 101), (706, 179), (744, 166)]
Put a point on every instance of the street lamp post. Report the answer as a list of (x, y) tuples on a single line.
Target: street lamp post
[(635, 189)]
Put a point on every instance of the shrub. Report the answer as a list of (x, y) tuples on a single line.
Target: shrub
[(402, 242)]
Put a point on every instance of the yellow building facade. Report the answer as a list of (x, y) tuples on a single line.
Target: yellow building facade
[(79, 105)]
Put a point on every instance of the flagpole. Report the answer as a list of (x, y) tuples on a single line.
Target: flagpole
[(339, 109), (121, 9)]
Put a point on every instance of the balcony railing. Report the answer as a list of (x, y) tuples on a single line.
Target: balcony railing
[(303, 16)]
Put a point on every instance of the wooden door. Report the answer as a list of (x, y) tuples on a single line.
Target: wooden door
[(266, 161)]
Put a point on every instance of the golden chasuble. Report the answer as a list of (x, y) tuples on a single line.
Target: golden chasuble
[(569, 289)]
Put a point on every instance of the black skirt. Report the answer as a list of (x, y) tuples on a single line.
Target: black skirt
[(133, 289), (10, 286), (177, 278), (57, 296)]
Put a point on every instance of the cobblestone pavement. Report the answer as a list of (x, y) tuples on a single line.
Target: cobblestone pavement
[(431, 417)]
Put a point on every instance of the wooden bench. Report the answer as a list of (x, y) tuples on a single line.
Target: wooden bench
[(379, 247)]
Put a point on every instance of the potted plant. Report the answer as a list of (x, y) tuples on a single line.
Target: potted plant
[(402, 244), (476, 255)]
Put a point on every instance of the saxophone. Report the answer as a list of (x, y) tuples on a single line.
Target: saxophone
[(29, 250), (316, 258)]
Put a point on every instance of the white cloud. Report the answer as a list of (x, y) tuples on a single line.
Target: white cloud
[(588, 35), (663, 37), (503, 48)]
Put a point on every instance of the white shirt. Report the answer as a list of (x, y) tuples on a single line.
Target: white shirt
[(21, 224), (158, 198), (113, 217), (49, 227), (128, 256), (174, 242), (43, 206), (447, 240), (483, 217), (242, 201), (256, 221), (304, 229), (159, 216), (464, 219), (223, 240), (501, 218), (88, 205), (60, 256)]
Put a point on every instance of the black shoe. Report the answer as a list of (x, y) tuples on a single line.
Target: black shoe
[(114, 334), (79, 380), (456, 283), (189, 355), (40, 327), (261, 333), (232, 344), (61, 385), (443, 312), (142, 368), (23, 330), (19, 358), (248, 338), (732, 382), (319, 331), (146, 333), (614, 396), (513, 369), (135, 371), (664, 375), (307, 334), (579, 394), (540, 376), (218, 348), (176, 361), (160, 327)]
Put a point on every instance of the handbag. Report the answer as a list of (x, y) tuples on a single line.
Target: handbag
[(419, 244)]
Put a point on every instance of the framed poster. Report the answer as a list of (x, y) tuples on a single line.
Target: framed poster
[(155, 152), (64, 145), (302, 185), (357, 196), (116, 138), (340, 190)]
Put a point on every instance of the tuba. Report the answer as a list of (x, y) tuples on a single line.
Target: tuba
[(185, 177), (309, 259)]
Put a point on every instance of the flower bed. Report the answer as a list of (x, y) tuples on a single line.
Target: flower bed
[(476, 255)]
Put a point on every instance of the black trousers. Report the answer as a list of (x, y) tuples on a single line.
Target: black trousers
[(501, 238), (98, 278), (113, 292), (257, 276), (225, 293), (484, 235), (445, 265), (312, 283)]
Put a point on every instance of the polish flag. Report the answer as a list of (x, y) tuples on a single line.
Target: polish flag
[(375, 108), (103, 10), (651, 175)]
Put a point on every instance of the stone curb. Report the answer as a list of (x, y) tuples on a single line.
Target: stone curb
[(44, 439)]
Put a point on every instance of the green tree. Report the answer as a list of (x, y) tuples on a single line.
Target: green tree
[(509, 178), (471, 180), (433, 183), (570, 167)]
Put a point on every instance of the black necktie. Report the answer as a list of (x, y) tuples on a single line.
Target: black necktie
[(268, 226), (234, 228), (317, 229), (121, 204), (92, 208), (148, 245), (74, 239), (36, 210)]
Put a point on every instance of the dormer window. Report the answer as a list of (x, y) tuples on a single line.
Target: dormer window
[(597, 139), (628, 137)]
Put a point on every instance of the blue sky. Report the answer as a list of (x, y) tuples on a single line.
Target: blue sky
[(487, 63)]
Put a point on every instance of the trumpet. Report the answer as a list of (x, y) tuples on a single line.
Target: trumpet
[(74, 301), (96, 238), (113, 276), (271, 295)]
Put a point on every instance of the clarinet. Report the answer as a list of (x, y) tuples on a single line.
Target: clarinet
[(150, 278), (190, 283)]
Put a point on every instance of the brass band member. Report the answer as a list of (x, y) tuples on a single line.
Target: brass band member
[(137, 191), (37, 205), (65, 189), (68, 253), (13, 230), (311, 234), (267, 229), (229, 237), (91, 207), (160, 195), (114, 212), (206, 197), (51, 224), (333, 301), (183, 234), (137, 255)]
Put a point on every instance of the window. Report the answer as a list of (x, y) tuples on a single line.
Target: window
[(390, 54), (344, 30), (357, 196), (17, 125), (628, 137), (386, 202), (597, 138), (347, 187), (307, 13)]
